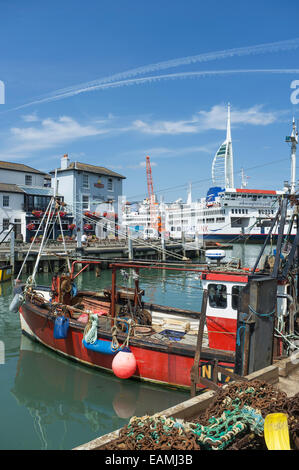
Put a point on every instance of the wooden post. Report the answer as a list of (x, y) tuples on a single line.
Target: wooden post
[(195, 368), (130, 247), (113, 292), (136, 288)]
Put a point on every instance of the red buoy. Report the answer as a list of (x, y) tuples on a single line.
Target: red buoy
[(124, 364)]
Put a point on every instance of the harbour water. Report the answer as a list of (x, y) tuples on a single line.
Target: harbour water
[(48, 402)]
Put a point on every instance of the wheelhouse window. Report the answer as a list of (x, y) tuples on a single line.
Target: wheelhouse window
[(236, 291), (217, 295)]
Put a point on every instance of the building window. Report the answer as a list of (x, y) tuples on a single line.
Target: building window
[(85, 202), (217, 295), (18, 226), (5, 201), (85, 181), (110, 184), (28, 180), (5, 224)]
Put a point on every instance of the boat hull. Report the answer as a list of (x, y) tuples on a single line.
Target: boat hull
[(156, 363), (5, 273)]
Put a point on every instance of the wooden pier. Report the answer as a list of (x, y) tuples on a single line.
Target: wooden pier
[(53, 258)]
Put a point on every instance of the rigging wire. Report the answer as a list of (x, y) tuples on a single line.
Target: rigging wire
[(140, 242)]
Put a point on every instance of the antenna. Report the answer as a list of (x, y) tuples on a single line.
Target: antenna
[(244, 179)]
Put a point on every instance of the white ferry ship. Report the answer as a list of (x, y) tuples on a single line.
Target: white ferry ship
[(226, 214)]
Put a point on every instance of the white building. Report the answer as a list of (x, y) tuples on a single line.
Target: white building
[(88, 188), (24, 191)]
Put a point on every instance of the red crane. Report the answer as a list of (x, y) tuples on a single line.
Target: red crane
[(151, 195)]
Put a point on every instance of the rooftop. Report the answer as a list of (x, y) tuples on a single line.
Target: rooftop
[(10, 188), (90, 169), (37, 191), (20, 167)]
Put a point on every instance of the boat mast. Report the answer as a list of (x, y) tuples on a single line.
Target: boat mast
[(51, 206), (243, 179), (189, 194), (293, 138)]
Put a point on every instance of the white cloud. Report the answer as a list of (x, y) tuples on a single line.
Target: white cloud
[(49, 133), (217, 116), (169, 152), (30, 117), (141, 164), (165, 127), (37, 134), (201, 121)]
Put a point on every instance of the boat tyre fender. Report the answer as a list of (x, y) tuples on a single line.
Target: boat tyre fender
[(16, 303), (18, 288)]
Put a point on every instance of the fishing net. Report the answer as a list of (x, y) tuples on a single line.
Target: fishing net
[(234, 420)]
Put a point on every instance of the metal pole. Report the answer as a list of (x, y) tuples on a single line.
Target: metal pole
[(12, 250), (197, 244), (163, 245), (280, 236), (183, 244), (266, 239)]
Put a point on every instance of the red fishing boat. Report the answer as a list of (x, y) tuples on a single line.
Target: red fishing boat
[(162, 355)]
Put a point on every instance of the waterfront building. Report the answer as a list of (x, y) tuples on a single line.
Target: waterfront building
[(24, 195), (89, 189)]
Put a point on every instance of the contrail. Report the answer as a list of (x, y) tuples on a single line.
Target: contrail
[(121, 77), (155, 78)]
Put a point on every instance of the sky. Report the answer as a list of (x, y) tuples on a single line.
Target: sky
[(111, 81)]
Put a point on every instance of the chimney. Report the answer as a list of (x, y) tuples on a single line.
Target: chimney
[(64, 162)]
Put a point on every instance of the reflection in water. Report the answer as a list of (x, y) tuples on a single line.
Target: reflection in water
[(54, 389), (5, 288)]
